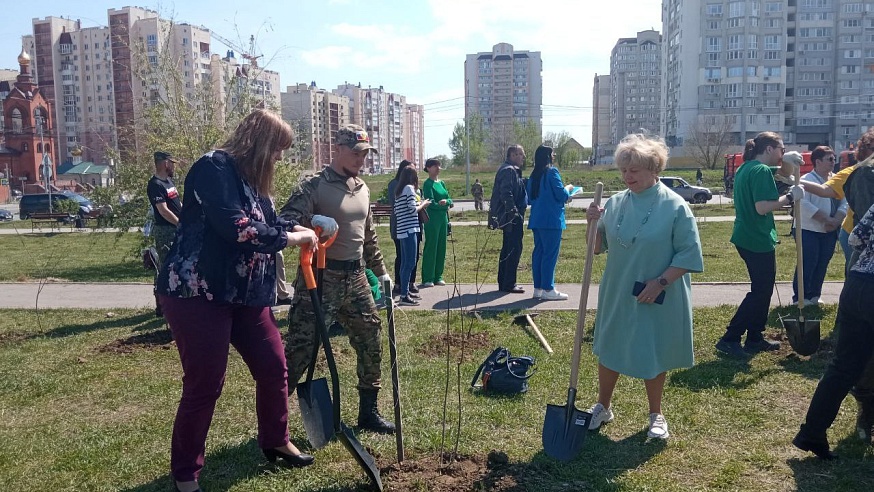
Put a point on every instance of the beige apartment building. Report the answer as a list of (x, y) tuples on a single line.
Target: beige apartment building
[(504, 86), (90, 75), (316, 115), (602, 143)]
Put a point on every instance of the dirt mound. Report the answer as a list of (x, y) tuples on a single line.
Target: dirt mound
[(436, 344)]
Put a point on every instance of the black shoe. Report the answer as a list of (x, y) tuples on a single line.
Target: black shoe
[(296, 460), (865, 418), (514, 290), (413, 295), (284, 302), (407, 301), (762, 345), (368, 415), (413, 289), (732, 349), (815, 446), (159, 313)]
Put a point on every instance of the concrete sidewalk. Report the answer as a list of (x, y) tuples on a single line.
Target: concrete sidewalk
[(129, 295)]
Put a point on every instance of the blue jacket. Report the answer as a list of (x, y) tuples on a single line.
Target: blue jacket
[(547, 211), (226, 241)]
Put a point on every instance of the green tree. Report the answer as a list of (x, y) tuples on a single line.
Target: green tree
[(475, 139), (559, 142)]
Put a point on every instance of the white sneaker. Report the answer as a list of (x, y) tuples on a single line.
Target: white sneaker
[(658, 426), (815, 301), (538, 293), (440, 282), (553, 295), (427, 284), (600, 415)]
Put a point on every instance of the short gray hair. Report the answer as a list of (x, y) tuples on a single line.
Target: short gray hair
[(641, 150)]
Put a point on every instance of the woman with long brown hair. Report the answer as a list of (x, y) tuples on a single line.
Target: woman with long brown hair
[(217, 287)]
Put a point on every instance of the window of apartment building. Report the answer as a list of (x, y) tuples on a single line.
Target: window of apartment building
[(849, 84), (769, 119), (713, 74), (851, 23), (815, 32), (735, 42), (736, 9), (771, 71), (847, 115), (732, 90), (735, 55), (731, 103), (816, 4), (714, 44), (752, 90), (851, 38), (770, 103), (773, 23), (847, 69), (714, 9), (852, 8), (751, 119), (713, 25), (773, 42), (712, 90), (773, 6), (735, 22), (815, 16), (735, 71), (773, 55), (849, 99)]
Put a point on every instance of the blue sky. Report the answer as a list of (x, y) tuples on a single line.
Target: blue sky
[(411, 47)]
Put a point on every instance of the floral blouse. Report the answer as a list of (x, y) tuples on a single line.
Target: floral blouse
[(226, 239)]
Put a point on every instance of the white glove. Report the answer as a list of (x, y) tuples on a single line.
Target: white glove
[(794, 158), (382, 280), (327, 224), (797, 193)]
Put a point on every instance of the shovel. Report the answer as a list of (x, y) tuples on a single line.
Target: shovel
[(526, 320), (564, 426), (313, 395), (395, 385), (803, 334), (343, 433)]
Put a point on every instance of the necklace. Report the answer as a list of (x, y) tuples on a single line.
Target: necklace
[(642, 223)]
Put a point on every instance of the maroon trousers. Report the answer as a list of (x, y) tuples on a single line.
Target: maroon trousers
[(204, 332)]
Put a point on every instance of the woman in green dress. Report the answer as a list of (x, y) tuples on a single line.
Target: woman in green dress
[(644, 323), (436, 229)]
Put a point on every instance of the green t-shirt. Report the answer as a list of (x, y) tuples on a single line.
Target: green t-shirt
[(754, 182)]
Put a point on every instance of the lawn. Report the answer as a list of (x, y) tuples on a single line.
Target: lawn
[(88, 399), (471, 256)]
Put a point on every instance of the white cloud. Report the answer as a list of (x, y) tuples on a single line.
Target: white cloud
[(327, 56)]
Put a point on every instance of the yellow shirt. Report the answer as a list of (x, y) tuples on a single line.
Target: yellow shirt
[(836, 183)]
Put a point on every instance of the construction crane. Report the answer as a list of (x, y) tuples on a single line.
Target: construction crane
[(248, 55)]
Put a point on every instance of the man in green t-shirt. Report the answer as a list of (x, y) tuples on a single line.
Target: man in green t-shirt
[(755, 237)]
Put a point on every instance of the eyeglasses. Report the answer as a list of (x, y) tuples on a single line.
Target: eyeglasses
[(781, 149), (832, 158)]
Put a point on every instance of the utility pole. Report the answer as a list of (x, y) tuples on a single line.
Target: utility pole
[(46, 167), (466, 141)]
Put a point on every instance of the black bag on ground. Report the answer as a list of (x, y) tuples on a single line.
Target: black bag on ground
[(503, 373)]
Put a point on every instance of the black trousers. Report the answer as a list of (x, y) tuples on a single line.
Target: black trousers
[(752, 314), (511, 252)]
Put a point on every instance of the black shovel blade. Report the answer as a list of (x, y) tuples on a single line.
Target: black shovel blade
[(364, 459), (316, 412), (564, 431), (803, 335)]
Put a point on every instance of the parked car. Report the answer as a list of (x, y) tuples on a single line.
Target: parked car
[(39, 203), (690, 193), (5, 214)]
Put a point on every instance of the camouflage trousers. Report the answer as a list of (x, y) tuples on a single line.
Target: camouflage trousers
[(346, 298), (163, 235)]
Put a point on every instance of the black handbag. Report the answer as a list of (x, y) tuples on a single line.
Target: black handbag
[(503, 373)]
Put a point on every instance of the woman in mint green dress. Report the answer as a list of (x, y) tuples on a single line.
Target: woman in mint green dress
[(651, 238), (436, 229)]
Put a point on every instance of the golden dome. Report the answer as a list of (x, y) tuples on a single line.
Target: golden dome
[(23, 58)]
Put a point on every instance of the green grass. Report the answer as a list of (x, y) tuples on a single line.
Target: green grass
[(81, 414), (108, 257)]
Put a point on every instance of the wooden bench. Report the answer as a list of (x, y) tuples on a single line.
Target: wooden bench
[(379, 211), (53, 220)]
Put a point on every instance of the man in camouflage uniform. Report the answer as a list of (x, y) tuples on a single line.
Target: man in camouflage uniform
[(477, 190), (336, 199)]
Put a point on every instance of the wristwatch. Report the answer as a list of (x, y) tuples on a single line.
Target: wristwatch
[(663, 281)]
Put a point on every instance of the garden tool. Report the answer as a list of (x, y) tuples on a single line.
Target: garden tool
[(526, 320), (395, 385)]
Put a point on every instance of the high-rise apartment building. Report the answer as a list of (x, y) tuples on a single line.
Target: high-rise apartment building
[(504, 86), (602, 143), (316, 115), (385, 117), (801, 68), (93, 76), (635, 77)]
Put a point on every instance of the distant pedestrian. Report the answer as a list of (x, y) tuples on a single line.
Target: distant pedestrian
[(507, 213), (434, 252), (547, 195), (476, 189), (406, 210), (699, 177), (166, 208)]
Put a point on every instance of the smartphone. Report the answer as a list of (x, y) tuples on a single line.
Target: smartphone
[(638, 288)]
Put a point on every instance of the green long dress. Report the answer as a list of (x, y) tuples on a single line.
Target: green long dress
[(644, 340), (434, 251)]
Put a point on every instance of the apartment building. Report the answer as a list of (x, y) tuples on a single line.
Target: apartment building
[(798, 67), (316, 115), (635, 76), (95, 77), (504, 86), (602, 143), (386, 117)]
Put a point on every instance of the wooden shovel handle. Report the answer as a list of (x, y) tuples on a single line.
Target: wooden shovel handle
[(591, 234)]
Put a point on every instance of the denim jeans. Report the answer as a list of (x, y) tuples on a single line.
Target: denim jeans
[(752, 314), (409, 255), (819, 247), (853, 351)]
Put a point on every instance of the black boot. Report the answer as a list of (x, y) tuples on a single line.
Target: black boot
[(368, 415), (865, 417)]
